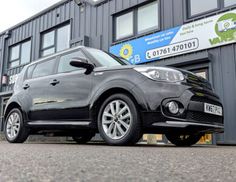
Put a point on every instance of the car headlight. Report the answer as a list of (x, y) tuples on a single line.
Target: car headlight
[(161, 73)]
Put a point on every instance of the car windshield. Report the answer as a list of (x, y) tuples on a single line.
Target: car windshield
[(107, 59)]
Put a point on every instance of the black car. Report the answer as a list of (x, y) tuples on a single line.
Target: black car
[(83, 91)]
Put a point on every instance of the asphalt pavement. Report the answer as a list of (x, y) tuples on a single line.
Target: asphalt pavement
[(99, 162)]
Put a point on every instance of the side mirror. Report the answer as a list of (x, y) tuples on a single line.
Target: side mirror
[(82, 63)]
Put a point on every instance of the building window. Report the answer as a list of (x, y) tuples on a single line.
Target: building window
[(148, 17), (124, 26), (20, 54), (229, 3), (197, 8), (55, 40), (63, 38), (140, 20)]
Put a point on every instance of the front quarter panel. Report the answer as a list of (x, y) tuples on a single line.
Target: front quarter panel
[(125, 79)]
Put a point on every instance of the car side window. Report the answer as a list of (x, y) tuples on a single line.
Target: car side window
[(64, 63), (44, 68), (30, 71)]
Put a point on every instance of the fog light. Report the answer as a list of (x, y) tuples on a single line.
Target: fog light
[(173, 107)]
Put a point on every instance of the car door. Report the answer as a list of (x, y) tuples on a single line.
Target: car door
[(37, 87), (69, 91)]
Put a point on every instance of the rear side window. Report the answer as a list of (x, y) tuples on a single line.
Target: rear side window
[(44, 69), (64, 63), (30, 71)]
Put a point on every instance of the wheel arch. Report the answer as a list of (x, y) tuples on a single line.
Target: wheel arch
[(11, 106), (23, 132), (96, 104)]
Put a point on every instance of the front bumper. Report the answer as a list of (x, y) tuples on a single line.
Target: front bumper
[(185, 127), (193, 119)]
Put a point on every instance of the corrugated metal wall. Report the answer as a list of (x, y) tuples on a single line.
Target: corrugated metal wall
[(93, 26), (96, 22), (32, 29), (224, 81)]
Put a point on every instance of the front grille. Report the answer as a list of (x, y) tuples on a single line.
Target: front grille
[(204, 117)]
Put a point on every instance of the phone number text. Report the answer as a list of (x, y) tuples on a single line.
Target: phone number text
[(173, 49)]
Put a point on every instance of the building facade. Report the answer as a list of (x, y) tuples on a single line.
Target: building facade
[(189, 34)]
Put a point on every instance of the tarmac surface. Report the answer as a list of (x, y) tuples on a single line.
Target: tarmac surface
[(99, 162)]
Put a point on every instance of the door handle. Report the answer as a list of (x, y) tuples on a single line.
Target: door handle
[(26, 86), (54, 82)]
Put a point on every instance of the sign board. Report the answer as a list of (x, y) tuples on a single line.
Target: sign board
[(199, 35)]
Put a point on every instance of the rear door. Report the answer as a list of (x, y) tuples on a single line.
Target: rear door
[(69, 91), (37, 87)]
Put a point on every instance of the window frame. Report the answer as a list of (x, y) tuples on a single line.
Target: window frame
[(55, 30), (158, 18), (190, 16), (115, 25), (14, 60), (221, 8), (28, 76), (49, 47), (136, 34), (20, 53)]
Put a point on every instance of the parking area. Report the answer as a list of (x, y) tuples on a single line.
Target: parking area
[(96, 161)]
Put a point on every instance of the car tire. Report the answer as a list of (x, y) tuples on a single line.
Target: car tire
[(183, 140), (85, 138), (118, 121), (15, 131)]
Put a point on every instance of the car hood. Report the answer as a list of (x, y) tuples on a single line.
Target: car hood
[(113, 68), (124, 67), (190, 77)]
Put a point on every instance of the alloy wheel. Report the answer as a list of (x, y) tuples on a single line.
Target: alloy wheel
[(13, 125), (116, 119)]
